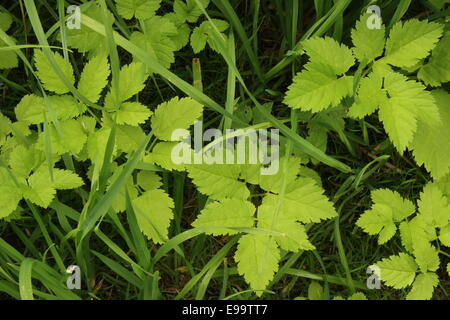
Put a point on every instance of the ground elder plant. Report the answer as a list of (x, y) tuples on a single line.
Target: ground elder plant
[(197, 149)]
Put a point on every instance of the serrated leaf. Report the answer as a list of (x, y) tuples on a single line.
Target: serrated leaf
[(71, 138), (398, 271), (148, 180), (129, 138), (257, 257), (369, 98), (426, 255), (85, 39), (22, 160), (157, 39), (175, 114), (94, 78), (65, 106), (338, 58), (48, 76), (444, 236), (40, 190), (411, 41), (141, 9), (162, 156), (274, 182), (226, 213), (369, 43), (317, 88), (189, 10), (30, 109), (423, 287), (218, 182), (401, 208), (433, 206), (131, 81), (303, 201), (294, 236), (378, 221), (205, 34), (181, 39), (8, 58), (430, 144), (357, 296), (10, 194), (154, 213), (408, 101), (132, 113), (437, 70)]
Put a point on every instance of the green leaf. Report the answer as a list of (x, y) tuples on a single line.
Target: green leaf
[(40, 190), (408, 102), (96, 145), (444, 236), (430, 144), (71, 138), (315, 291), (131, 81), (10, 194), (274, 182), (86, 39), (317, 88), (22, 160), (189, 10), (437, 70), (426, 256), (175, 114), (48, 76), (157, 39), (205, 34), (148, 180), (5, 21), (94, 78), (8, 59), (411, 41), (357, 296), (303, 201), (218, 182), (401, 208), (162, 156), (226, 213), (337, 58), (62, 179), (129, 138), (433, 206), (154, 213), (65, 180), (378, 220), (257, 257), (369, 98), (398, 271), (141, 9), (132, 113), (369, 43), (66, 106), (423, 287), (294, 234), (181, 39), (30, 109)]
